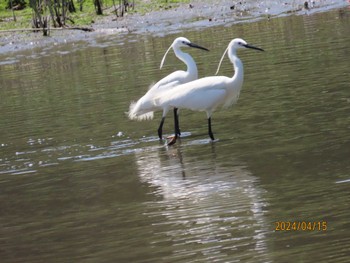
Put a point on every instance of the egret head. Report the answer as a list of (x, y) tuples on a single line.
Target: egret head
[(235, 44), (238, 43), (184, 42), (181, 42)]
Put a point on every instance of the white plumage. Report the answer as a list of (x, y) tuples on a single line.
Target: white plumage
[(206, 94), (143, 109)]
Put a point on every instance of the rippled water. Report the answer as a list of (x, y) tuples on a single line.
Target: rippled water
[(81, 182)]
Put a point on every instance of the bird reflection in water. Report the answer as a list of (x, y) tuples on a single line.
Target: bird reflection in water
[(202, 204)]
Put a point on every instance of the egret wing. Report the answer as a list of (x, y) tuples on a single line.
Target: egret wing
[(201, 94), (170, 81), (200, 101)]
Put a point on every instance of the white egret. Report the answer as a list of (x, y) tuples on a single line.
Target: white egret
[(206, 94), (143, 109)]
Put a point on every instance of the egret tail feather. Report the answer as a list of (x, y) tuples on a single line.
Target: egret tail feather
[(135, 113)]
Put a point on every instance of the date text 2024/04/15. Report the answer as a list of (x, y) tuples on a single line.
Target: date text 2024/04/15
[(300, 226)]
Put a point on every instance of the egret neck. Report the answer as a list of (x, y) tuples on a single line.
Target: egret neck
[(188, 60), (238, 76)]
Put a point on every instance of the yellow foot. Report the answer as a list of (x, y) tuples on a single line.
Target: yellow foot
[(172, 140)]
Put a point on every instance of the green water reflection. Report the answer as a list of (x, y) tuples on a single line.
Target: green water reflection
[(81, 182)]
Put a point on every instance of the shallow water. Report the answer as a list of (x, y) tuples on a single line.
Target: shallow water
[(81, 182)]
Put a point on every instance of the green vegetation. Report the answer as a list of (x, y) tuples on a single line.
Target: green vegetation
[(67, 13)]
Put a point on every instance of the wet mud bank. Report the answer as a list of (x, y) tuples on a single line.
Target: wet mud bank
[(196, 15)]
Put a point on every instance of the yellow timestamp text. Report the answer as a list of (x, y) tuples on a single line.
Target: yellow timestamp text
[(301, 226)]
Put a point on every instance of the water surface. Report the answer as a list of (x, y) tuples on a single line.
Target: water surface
[(81, 182)]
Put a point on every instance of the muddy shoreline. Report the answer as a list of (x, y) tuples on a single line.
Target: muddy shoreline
[(197, 15)]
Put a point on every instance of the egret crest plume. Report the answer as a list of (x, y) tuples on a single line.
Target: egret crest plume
[(163, 59)]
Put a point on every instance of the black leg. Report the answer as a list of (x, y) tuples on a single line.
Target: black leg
[(160, 129), (176, 122), (211, 135)]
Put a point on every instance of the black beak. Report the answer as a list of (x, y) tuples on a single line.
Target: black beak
[(252, 47), (197, 46)]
